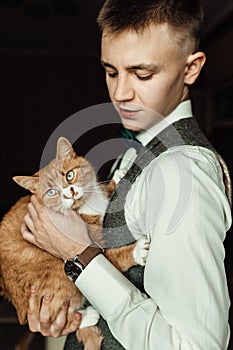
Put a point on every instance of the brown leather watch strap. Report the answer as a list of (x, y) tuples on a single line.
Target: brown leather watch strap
[(88, 254)]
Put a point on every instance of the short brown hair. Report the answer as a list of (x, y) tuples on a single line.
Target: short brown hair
[(119, 15)]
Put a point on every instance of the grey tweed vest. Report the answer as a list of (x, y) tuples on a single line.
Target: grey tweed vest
[(116, 232)]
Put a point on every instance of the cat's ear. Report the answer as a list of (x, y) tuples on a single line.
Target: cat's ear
[(31, 183), (64, 148)]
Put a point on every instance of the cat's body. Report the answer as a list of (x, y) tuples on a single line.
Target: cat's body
[(66, 182)]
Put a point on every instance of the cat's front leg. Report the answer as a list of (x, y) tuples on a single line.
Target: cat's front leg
[(90, 317), (88, 333), (127, 256)]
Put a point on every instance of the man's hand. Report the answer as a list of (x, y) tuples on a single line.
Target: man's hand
[(41, 321), (61, 235)]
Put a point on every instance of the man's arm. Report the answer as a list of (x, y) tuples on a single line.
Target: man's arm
[(187, 303)]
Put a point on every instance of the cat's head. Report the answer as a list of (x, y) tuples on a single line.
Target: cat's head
[(64, 183)]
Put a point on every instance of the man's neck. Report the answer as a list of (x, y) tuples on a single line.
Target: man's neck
[(182, 111)]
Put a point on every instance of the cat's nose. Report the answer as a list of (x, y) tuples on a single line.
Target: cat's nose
[(73, 192)]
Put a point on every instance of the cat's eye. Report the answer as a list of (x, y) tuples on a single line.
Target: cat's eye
[(52, 192), (70, 176)]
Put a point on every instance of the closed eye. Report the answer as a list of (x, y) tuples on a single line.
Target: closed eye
[(112, 75), (140, 77), (144, 77)]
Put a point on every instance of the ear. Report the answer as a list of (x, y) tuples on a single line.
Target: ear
[(64, 148), (31, 183), (193, 68)]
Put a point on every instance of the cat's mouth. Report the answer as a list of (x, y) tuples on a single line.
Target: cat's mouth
[(66, 197), (74, 198), (73, 193)]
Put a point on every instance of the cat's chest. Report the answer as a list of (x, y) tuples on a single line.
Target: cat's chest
[(95, 204)]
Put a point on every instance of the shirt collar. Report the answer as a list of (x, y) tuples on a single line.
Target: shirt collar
[(182, 111)]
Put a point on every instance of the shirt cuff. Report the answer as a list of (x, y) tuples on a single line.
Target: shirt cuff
[(105, 287)]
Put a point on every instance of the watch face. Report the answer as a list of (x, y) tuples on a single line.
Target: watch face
[(72, 270)]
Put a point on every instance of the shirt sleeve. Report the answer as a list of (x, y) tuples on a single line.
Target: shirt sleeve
[(184, 212)]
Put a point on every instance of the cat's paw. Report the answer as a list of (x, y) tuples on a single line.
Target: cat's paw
[(118, 175), (140, 251), (90, 317)]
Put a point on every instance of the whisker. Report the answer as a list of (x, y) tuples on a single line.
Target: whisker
[(91, 191), (95, 186), (103, 182), (58, 209)]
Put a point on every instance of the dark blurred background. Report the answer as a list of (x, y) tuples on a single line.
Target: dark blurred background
[(49, 69)]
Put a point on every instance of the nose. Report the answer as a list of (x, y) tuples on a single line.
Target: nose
[(73, 192), (123, 89)]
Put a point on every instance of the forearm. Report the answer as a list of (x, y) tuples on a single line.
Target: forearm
[(133, 317)]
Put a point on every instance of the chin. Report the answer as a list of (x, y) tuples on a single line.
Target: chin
[(131, 127)]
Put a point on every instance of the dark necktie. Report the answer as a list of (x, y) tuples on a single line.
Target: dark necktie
[(130, 142), (130, 137)]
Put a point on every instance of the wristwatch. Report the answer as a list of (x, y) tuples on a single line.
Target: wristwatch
[(74, 267)]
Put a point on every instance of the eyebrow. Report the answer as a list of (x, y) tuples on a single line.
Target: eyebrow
[(141, 66), (106, 65)]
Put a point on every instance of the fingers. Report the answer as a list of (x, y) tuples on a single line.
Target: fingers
[(32, 316), (36, 213), (35, 202), (28, 226), (40, 320), (32, 211), (27, 234), (57, 327), (60, 324), (75, 324), (61, 320), (29, 223), (45, 320)]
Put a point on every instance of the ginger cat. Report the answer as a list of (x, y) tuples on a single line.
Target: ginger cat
[(67, 182)]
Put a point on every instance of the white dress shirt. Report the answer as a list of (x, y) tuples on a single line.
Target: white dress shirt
[(179, 203)]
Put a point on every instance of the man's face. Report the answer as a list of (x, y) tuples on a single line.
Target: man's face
[(145, 73)]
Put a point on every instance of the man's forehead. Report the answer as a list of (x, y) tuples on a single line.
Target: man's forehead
[(159, 37), (150, 27), (147, 66)]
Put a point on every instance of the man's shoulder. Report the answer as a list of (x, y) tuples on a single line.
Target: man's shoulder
[(178, 159)]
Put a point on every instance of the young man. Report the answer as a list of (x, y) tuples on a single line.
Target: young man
[(177, 199)]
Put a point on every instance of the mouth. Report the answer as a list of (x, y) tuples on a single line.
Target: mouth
[(128, 113)]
